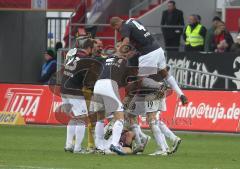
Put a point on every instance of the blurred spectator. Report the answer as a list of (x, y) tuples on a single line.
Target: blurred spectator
[(199, 18), (236, 46), (78, 17), (49, 67), (223, 40), (238, 25), (194, 34), (58, 45), (172, 16), (98, 50), (236, 33), (210, 34)]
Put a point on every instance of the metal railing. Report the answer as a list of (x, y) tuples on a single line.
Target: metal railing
[(56, 27), (232, 3), (185, 83), (140, 6), (114, 38), (82, 2)]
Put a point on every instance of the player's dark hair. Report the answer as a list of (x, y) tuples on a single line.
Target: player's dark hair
[(89, 43), (172, 2), (216, 18), (199, 18)]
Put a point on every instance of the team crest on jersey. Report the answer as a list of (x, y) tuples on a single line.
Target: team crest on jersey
[(71, 53)]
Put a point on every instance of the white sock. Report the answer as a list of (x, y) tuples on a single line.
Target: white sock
[(79, 132), (142, 135), (173, 84), (116, 132), (137, 134), (70, 133), (99, 134), (166, 131), (159, 137)]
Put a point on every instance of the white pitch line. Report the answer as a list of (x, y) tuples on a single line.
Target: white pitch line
[(27, 167)]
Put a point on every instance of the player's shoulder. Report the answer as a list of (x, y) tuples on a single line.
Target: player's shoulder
[(71, 53)]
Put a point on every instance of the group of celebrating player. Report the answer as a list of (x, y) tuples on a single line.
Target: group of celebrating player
[(138, 64)]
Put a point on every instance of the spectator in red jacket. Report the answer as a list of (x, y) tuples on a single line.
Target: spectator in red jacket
[(222, 40)]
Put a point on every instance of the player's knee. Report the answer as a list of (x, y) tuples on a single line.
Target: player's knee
[(152, 123), (81, 122), (130, 135), (161, 123), (119, 116), (132, 120), (152, 119), (100, 116), (164, 73), (71, 122)]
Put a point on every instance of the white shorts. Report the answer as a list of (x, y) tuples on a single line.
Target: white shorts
[(152, 62), (106, 97), (77, 103), (142, 107)]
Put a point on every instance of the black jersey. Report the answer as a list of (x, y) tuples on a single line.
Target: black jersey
[(139, 36), (116, 69), (79, 71)]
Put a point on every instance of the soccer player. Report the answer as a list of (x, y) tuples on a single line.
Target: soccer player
[(149, 105), (79, 71), (152, 59), (106, 100), (97, 54), (143, 104)]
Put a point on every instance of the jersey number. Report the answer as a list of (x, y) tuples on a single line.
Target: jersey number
[(150, 104)]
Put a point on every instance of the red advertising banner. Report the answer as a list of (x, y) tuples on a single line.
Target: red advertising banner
[(62, 4), (36, 103), (232, 15), (15, 4), (56, 5), (206, 111)]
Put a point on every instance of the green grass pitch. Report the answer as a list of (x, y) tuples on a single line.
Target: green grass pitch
[(34, 147)]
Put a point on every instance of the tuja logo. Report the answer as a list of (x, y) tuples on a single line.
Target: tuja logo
[(207, 111), (23, 100)]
